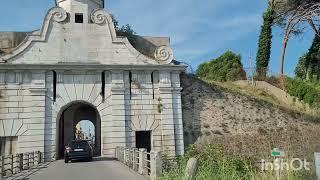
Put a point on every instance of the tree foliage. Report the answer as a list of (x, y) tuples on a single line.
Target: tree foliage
[(264, 47), (304, 91), (294, 16), (313, 60), (301, 69), (125, 31), (227, 67), (309, 65)]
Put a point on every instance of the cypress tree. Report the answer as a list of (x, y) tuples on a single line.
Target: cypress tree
[(302, 69), (313, 60), (264, 46), (308, 67)]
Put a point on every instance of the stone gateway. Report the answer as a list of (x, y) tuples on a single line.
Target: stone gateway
[(76, 68)]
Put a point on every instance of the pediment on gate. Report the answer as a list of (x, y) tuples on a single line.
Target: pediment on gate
[(61, 41)]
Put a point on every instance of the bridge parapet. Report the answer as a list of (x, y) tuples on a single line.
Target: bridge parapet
[(13, 164), (149, 164)]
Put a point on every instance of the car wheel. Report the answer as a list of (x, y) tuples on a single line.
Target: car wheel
[(66, 160)]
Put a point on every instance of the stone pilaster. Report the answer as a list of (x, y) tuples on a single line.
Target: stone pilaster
[(2, 77), (118, 110), (34, 113), (167, 118), (177, 112), (49, 134), (106, 117)]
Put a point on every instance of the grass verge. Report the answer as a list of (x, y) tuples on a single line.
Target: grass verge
[(215, 164)]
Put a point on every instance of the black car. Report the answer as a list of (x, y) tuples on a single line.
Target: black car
[(78, 149)]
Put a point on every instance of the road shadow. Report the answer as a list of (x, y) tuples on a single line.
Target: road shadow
[(104, 159), (95, 159), (23, 175)]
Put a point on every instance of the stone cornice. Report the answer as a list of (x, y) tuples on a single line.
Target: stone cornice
[(165, 89), (5, 66), (118, 90), (170, 89), (177, 89)]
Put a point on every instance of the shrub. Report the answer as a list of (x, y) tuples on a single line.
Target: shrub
[(227, 67), (125, 31), (305, 91)]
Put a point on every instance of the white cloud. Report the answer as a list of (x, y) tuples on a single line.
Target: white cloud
[(195, 27), (240, 21)]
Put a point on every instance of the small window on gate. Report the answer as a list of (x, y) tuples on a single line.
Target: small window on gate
[(152, 81), (78, 18), (130, 84), (54, 86), (103, 85)]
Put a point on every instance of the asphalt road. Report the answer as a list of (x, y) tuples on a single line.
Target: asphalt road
[(95, 170)]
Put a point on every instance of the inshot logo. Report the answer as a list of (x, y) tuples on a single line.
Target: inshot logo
[(295, 164)]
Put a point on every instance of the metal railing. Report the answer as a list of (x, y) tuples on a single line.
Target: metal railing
[(140, 160), (13, 164)]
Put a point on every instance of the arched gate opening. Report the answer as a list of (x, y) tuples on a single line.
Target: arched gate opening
[(67, 129)]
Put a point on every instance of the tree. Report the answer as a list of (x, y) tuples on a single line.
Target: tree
[(293, 16), (203, 69), (227, 67), (264, 46), (125, 31), (301, 69), (313, 60), (309, 65)]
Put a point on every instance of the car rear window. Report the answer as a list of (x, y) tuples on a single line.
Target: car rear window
[(79, 144)]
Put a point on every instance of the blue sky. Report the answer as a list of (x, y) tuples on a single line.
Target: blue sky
[(199, 30), (87, 127)]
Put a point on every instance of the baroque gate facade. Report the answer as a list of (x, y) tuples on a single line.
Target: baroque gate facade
[(76, 62)]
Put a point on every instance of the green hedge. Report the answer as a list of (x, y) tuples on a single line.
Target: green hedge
[(305, 91)]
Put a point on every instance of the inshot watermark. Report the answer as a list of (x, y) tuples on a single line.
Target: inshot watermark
[(294, 164)]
